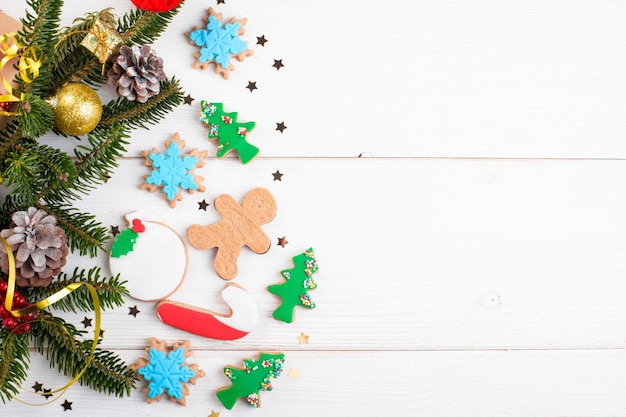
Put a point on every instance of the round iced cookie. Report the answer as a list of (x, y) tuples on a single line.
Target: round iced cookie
[(150, 256)]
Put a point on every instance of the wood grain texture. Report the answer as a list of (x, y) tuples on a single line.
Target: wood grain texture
[(474, 266)]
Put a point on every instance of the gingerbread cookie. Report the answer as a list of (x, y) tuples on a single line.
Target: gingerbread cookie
[(173, 171), (240, 226), (150, 256), (232, 135), (241, 319), (294, 291), (219, 42), (255, 376), (167, 371)]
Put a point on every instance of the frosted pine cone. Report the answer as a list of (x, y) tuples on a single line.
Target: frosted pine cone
[(39, 247), (136, 73)]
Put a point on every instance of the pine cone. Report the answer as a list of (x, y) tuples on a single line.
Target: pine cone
[(39, 247), (137, 73)]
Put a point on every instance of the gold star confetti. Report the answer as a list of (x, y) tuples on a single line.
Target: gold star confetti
[(214, 413), (303, 339), (293, 374)]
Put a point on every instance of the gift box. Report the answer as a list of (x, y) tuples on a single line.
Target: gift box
[(102, 40)]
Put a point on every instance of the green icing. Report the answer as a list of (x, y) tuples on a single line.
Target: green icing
[(293, 291), (124, 243), (231, 134), (255, 376)]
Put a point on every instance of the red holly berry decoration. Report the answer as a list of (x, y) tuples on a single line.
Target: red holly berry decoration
[(156, 5), (138, 226), (7, 320), (8, 106)]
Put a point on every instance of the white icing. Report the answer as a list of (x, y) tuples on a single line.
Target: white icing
[(245, 313), (156, 266)]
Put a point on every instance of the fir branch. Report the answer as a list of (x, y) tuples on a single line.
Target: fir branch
[(56, 339), (83, 232), (14, 362), (110, 290), (40, 30), (95, 164), (143, 27), (135, 114), (10, 137), (39, 118), (24, 176)]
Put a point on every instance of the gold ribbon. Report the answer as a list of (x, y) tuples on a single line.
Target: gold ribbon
[(40, 305), (29, 63)]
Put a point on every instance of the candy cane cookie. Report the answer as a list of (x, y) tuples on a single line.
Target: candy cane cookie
[(241, 319)]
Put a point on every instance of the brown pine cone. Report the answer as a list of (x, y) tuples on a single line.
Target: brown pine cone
[(39, 247), (136, 73)]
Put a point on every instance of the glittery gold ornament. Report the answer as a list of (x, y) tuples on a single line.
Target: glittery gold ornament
[(77, 109)]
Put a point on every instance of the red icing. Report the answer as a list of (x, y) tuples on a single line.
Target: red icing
[(196, 322), (156, 5), (138, 227)]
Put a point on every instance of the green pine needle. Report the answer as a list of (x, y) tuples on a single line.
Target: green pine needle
[(14, 362), (135, 114), (143, 27), (58, 341), (110, 290)]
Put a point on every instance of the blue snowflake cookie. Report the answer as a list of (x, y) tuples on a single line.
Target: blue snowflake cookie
[(219, 42), (166, 371), (173, 171)]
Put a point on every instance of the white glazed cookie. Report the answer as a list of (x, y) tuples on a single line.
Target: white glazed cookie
[(151, 257)]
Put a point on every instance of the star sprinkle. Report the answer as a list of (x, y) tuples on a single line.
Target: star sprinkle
[(86, 322), (37, 387), (277, 175), (167, 371), (173, 171), (188, 99), (115, 230), (219, 42), (220, 2), (133, 311), (278, 64), (47, 393), (293, 373), (260, 40), (303, 339), (214, 413), (251, 86), (281, 126), (67, 405), (282, 241), (202, 205)]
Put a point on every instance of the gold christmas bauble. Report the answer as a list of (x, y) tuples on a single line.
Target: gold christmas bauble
[(77, 109)]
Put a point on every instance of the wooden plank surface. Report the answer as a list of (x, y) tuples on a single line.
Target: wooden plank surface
[(471, 263)]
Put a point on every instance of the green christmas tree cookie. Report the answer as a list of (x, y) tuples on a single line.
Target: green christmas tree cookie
[(293, 291), (231, 134), (255, 376)]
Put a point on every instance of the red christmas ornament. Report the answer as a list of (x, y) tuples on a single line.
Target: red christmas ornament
[(156, 6), (8, 106)]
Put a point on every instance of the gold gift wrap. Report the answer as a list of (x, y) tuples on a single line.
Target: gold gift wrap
[(102, 40)]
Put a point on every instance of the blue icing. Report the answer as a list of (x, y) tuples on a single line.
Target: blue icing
[(166, 373), (172, 170), (218, 43)]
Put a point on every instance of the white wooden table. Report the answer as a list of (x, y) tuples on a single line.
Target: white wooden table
[(458, 167)]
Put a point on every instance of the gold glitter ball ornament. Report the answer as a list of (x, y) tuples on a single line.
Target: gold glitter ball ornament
[(77, 109)]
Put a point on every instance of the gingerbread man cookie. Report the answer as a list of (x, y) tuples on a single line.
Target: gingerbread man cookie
[(240, 226)]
